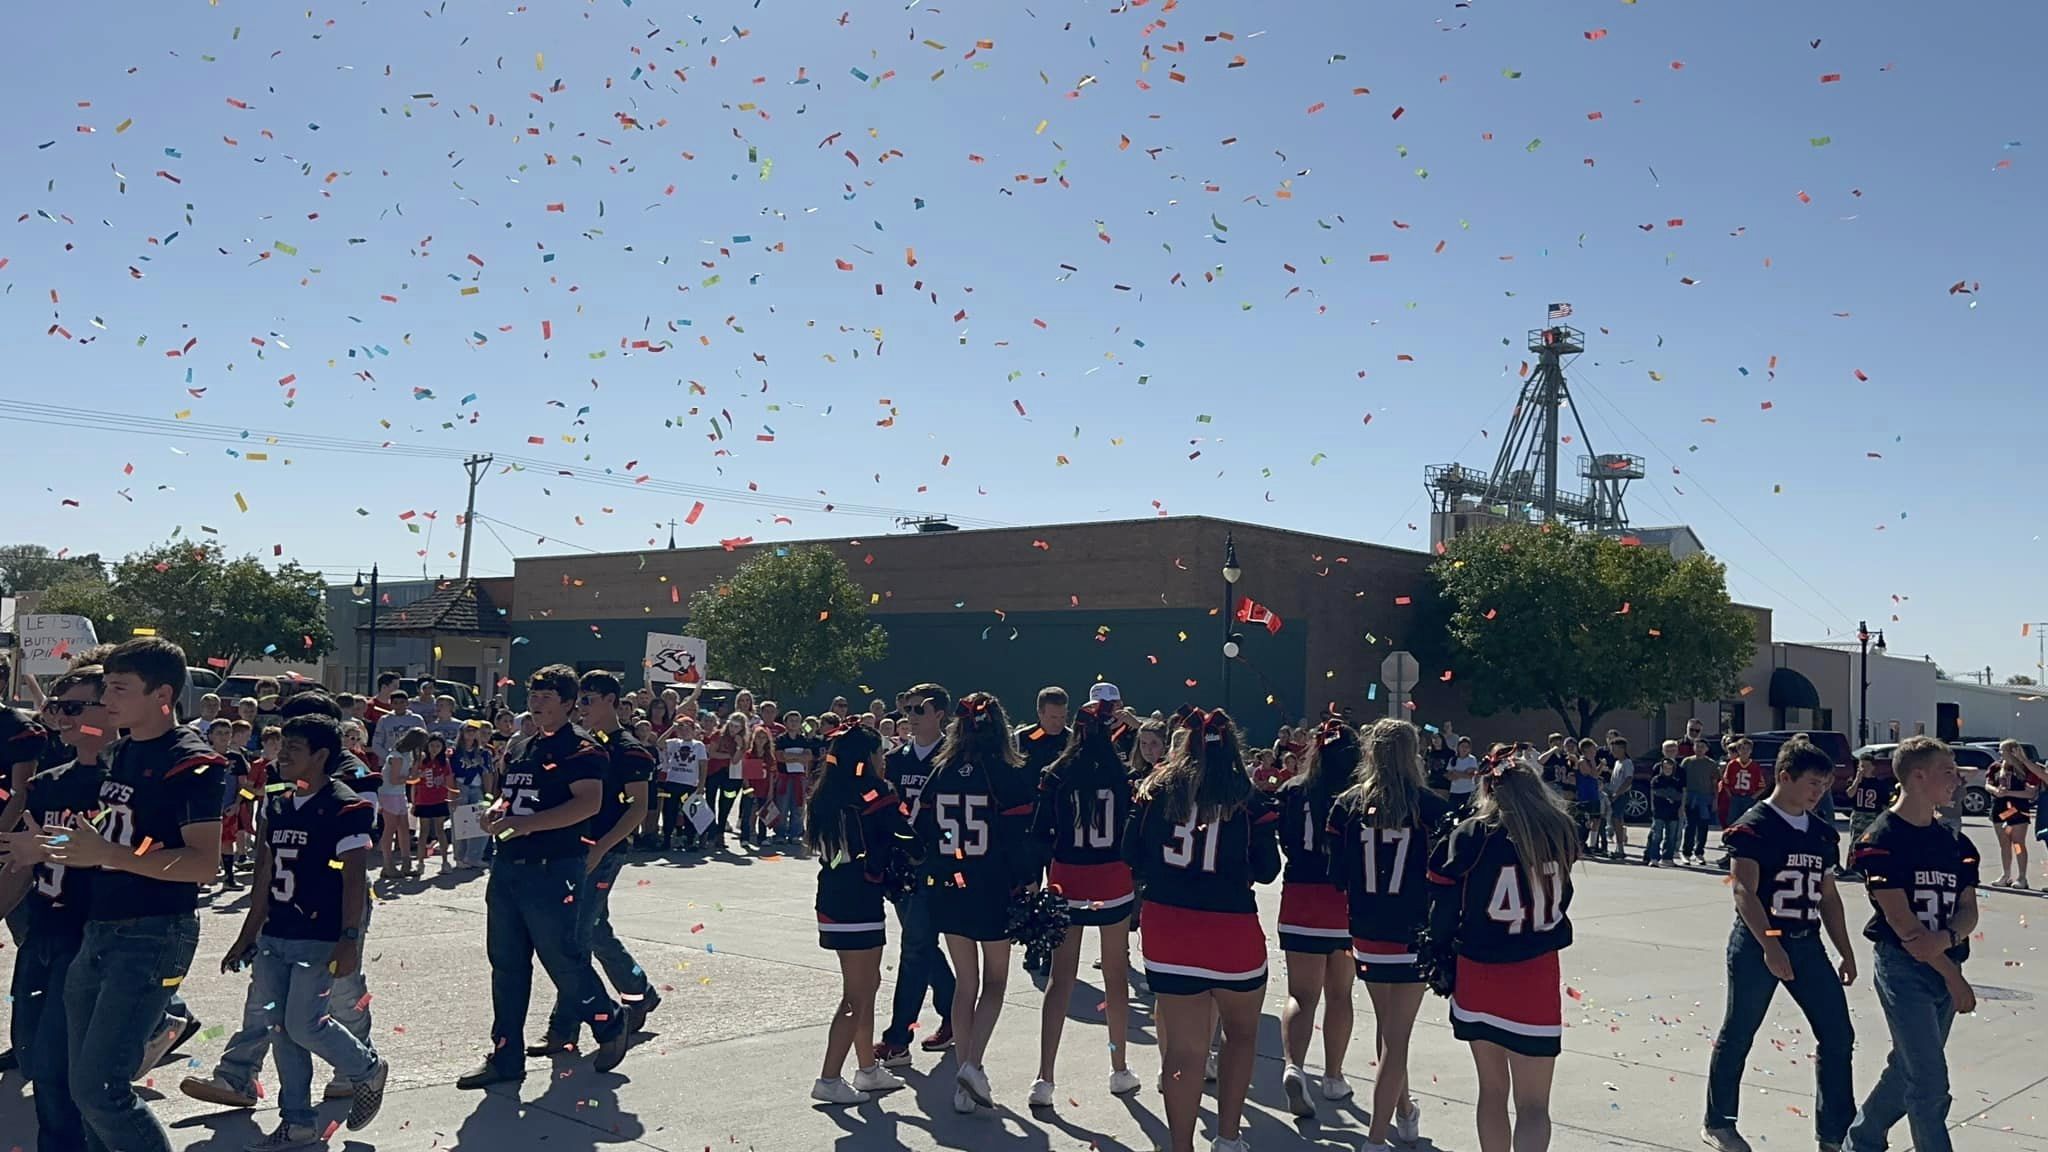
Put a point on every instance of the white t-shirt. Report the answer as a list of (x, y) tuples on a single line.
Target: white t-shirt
[(1623, 777), (680, 760), (1460, 785)]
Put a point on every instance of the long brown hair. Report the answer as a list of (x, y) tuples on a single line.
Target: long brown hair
[(1332, 765), (1534, 818), (1388, 792), (1203, 771), (1157, 728), (842, 784), (979, 735)]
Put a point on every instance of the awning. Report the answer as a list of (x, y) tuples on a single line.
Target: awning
[(1791, 689)]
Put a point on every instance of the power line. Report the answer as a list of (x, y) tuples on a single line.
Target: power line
[(530, 532)]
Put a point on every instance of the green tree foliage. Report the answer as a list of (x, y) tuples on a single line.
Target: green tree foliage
[(2020, 681), (1583, 625), (786, 621), (214, 607), (33, 567)]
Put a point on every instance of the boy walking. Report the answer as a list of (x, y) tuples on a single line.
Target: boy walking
[(1870, 793), (1667, 799), (1922, 880), (1784, 895), (304, 930)]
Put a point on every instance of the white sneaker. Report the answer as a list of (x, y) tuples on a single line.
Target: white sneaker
[(836, 1091), (1724, 1139), (1221, 1145), (876, 1078), (1336, 1088), (1408, 1125), (1123, 1082), (1209, 1068), (962, 1102), (975, 1081), (1041, 1094), (1294, 1083)]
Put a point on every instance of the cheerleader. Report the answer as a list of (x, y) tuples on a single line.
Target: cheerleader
[(1084, 800), (854, 822), (1200, 837), (973, 823), (1501, 883), (1380, 836), (2014, 788), (1314, 931)]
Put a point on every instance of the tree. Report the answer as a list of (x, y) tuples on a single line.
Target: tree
[(33, 567), (1581, 624), (2021, 681), (786, 621), (219, 610)]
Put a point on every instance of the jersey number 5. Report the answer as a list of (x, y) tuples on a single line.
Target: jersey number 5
[(1546, 906), (1180, 850), (283, 881)]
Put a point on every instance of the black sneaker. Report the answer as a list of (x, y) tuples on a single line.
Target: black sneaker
[(368, 1097), (486, 1074), (550, 1046), (9, 1061), (613, 1050)]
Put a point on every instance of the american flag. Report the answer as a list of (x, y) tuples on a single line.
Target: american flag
[(1560, 311)]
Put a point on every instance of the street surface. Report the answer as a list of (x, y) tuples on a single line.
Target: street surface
[(732, 944)]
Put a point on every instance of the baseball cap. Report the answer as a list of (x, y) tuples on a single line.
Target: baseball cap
[(1104, 691)]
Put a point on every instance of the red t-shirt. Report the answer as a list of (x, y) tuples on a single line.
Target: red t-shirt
[(434, 778), (373, 712)]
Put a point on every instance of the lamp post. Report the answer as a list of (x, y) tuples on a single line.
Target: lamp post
[(1231, 572), (370, 674), (1863, 638)]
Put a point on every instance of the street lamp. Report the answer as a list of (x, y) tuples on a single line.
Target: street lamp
[(370, 675), (1231, 573), (1863, 638)]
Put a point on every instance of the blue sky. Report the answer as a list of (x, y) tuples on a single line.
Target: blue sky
[(324, 161)]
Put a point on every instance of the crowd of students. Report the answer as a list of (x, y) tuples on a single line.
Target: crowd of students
[(1403, 868)]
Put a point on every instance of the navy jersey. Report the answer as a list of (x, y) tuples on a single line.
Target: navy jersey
[(62, 797), (308, 833), (630, 762), (1304, 832), (1385, 871), (1873, 794), (973, 823), (1082, 808), (1931, 865), (1478, 878), (1040, 747), (152, 790), (1200, 861), (539, 780), (1791, 863), (907, 771)]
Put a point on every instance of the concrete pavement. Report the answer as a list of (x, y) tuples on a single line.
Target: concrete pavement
[(731, 941)]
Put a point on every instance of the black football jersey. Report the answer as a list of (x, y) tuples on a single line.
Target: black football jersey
[(1304, 832), (1873, 794), (1385, 871), (153, 789), (974, 824), (60, 798), (1201, 862), (1083, 808), (1501, 917), (907, 772), (1932, 865), (539, 780), (630, 762), (308, 833), (1791, 864)]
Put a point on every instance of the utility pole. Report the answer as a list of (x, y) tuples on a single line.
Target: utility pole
[(2040, 631), (475, 466)]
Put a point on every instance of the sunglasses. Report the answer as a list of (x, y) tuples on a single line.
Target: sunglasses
[(69, 707), (919, 710)]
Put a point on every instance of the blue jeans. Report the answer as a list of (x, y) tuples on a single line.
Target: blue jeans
[(1737, 805), (114, 996), (920, 964), (1817, 989), (348, 1004), (530, 909), (1663, 841), (38, 1034), (288, 994), (1914, 1086), (1699, 817), (469, 853), (596, 939)]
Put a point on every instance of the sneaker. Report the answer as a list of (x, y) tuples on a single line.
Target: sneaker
[(551, 1046), (1123, 1082), (1221, 1145), (216, 1089), (1408, 1124), (836, 1091), (288, 1136), (975, 1081), (941, 1040), (1041, 1094), (962, 1102), (613, 1050), (185, 1032), (339, 1089), (2004, 881), (168, 1035), (891, 1055), (1209, 1066), (228, 883), (639, 1010), (368, 1098), (1294, 1083), (1724, 1140), (9, 1061), (875, 1078), (487, 1073), (1336, 1088)]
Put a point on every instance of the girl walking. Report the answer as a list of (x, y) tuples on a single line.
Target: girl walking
[(1315, 931), (2014, 790)]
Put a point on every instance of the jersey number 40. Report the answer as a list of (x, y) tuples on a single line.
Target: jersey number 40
[(1545, 910)]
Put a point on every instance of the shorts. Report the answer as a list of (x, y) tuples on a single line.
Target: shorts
[(391, 803), (1385, 961), (1188, 951), (1588, 812), (231, 827), (2012, 812), (1517, 1006), (430, 811), (1096, 894), (1314, 918)]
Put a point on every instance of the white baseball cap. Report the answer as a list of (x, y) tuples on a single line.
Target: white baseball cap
[(1104, 691)]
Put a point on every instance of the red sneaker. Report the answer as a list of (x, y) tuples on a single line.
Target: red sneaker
[(941, 1040)]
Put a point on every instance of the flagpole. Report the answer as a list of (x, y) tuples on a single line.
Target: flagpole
[(1231, 572)]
